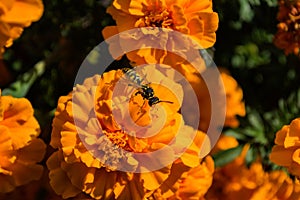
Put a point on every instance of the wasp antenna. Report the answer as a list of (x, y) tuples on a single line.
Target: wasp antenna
[(165, 101)]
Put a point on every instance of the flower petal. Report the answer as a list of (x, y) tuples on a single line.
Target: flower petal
[(296, 156), (24, 173), (203, 27), (152, 180), (281, 135), (23, 12), (59, 180), (281, 156), (33, 152), (7, 184)]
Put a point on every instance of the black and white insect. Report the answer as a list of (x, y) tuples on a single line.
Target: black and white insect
[(145, 90)]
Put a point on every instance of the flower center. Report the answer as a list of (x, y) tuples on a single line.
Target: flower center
[(162, 19), (111, 155), (119, 138)]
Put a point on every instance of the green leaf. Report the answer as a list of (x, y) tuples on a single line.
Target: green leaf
[(21, 87), (272, 3), (246, 13), (251, 132), (236, 134), (224, 157), (281, 105), (256, 121), (251, 155)]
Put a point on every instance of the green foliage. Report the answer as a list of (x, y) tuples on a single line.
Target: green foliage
[(259, 130), (22, 85), (288, 109), (250, 56), (224, 157), (268, 77)]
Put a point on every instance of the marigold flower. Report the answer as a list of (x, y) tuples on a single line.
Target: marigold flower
[(286, 150), (234, 100), (288, 29), (236, 181), (234, 97), (195, 183), (16, 15), (97, 153), (20, 149), (39, 189), (193, 18)]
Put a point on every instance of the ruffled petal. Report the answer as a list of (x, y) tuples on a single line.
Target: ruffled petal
[(281, 135), (59, 180), (24, 12), (24, 173), (33, 152), (282, 156)]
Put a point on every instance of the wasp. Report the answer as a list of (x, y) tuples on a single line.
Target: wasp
[(145, 90)]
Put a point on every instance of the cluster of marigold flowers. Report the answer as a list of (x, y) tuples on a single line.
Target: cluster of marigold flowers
[(287, 36), (91, 146)]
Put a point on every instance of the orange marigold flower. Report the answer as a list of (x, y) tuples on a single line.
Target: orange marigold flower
[(193, 18), (20, 149), (287, 36), (234, 97), (99, 140), (14, 16), (234, 100), (236, 181), (195, 183), (286, 150)]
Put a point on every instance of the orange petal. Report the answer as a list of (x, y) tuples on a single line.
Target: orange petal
[(196, 6), (178, 15), (23, 173), (281, 135), (152, 180), (23, 12), (21, 136), (114, 43), (206, 35), (102, 187), (78, 174), (124, 5), (196, 183), (123, 20), (33, 152), (295, 128), (6, 184), (87, 158), (291, 141), (6, 5), (281, 156), (68, 141), (16, 111), (5, 140), (199, 147), (59, 180), (294, 169), (225, 142), (296, 156)]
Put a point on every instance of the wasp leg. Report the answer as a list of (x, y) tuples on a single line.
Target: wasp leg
[(141, 112), (138, 92)]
